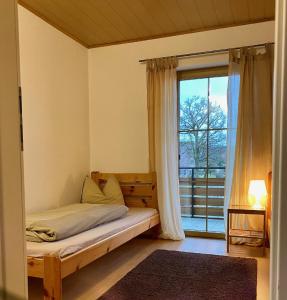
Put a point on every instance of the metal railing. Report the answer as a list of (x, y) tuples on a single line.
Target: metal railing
[(202, 196)]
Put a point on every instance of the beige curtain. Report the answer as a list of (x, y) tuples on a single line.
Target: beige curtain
[(232, 103), (163, 147), (253, 150)]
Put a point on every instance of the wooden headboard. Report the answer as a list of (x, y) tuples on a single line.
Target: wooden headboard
[(139, 189)]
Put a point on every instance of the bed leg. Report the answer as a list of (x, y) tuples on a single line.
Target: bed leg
[(52, 278), (155, 231)]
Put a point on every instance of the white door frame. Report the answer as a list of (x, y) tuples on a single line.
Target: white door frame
[(278, 273), (12, 250), (13, 277)]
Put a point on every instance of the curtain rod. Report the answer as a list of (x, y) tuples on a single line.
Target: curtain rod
[(207, 52)]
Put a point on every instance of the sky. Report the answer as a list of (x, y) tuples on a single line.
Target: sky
[(199, 87)]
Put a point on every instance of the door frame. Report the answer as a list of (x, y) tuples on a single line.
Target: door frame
[(13, 277), (278, 270), (189, 74)]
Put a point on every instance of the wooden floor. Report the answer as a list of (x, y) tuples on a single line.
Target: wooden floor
[(92, 281)]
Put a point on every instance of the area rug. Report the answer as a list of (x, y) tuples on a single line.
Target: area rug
[(180, 275)]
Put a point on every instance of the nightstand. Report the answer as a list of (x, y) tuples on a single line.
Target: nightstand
[(245, 210)]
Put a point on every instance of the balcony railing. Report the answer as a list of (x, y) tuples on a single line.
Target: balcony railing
[(201, 196)]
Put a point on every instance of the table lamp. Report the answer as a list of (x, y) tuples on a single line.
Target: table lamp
[(257, 193)]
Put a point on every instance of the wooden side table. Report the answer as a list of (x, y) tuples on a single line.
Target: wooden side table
[(245, 210)]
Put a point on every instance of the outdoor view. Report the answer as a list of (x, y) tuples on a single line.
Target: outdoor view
[(202, 149)]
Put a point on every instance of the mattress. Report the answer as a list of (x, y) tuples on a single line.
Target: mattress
[(85, 239)]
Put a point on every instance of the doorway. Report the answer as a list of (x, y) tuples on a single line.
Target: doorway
[(202, 132)]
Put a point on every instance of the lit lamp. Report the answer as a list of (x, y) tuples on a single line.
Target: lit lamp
[(257, 193)]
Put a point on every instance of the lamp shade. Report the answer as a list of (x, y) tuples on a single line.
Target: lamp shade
[(257, 193)]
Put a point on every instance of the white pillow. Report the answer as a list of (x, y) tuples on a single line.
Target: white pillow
[(111, 193)]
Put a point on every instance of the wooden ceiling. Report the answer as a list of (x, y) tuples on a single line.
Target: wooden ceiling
[(96, 23)]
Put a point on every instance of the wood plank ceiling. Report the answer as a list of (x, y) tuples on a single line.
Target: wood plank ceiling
[(96, 23)]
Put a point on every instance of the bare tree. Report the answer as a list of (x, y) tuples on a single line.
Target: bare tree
[(196, 115)]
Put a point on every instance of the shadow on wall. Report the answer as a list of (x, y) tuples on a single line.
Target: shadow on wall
[(70, 184)]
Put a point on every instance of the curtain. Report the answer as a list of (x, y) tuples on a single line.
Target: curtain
[(253, 148), (232, 104), (163, 146)]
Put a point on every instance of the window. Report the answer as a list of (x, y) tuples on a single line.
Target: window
[(202, 130)]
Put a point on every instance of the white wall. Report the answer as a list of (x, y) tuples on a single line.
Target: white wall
[(56, 109), (117, 86), (54, 80)]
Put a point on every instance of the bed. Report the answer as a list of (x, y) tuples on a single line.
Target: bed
[(53, 261)]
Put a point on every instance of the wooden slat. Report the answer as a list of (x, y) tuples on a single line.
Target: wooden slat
[(201, 201), (158, 13), (52, 278), (35, 267), (202, 184), (66, 17), (140, 202), (202, 191), (108, 31), (174, 12), (190, 12), (202, 179), (129, 17), (240, 11), (139, 189), (256, 9), (200, 211), (136, 190), (223, 12), (154, 189), (246, 233), (269, 8), (203, 206), (139, 10), (125, 177), (97, 23), (110, 20), (185, 190), (207, 13), (198, 181)]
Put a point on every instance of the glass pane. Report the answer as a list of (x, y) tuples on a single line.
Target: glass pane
[(193, 224), (216, 180), (193, 200), (215, 203), (218, 102), (216, 172), (193, 104), (192, 172), (216, 150), (192, 150), (201, 199), (216, 225)]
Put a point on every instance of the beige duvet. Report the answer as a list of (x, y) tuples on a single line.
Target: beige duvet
[(66, 221)]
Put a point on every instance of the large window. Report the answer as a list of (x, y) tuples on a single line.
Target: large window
[(202, 148)]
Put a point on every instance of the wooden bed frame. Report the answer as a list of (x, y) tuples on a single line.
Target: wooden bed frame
[(139, 190)]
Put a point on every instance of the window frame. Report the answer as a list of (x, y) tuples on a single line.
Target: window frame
[(218, 71)]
